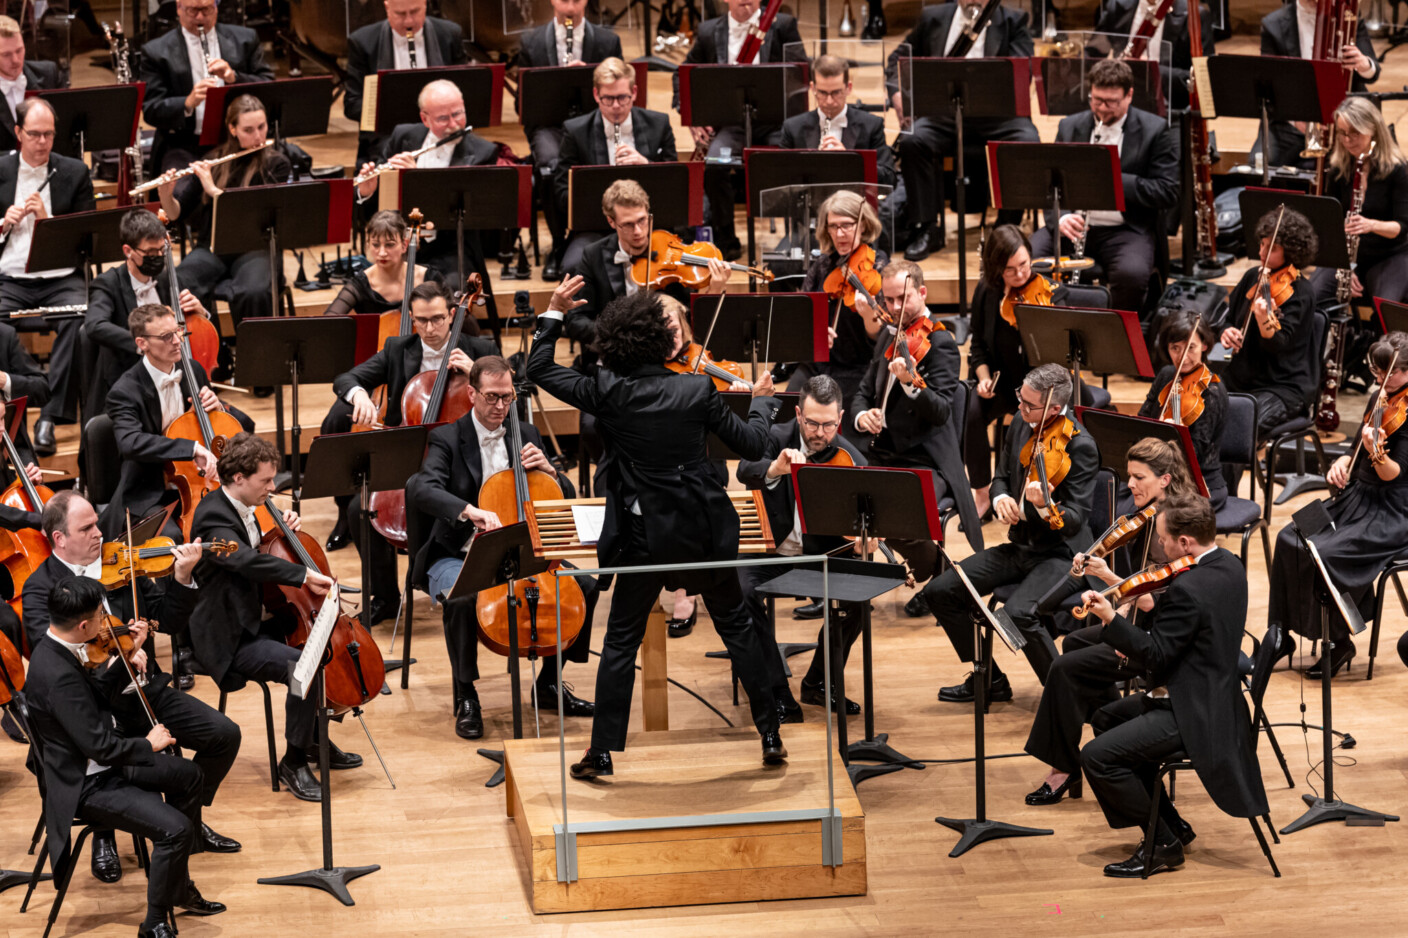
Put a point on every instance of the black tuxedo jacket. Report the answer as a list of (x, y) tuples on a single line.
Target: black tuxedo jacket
[(74, 725), (471, 150), (711, 47), (166, 68), (540, 45), (1191, 648), (926, 421), (369, 50), (110, 301), (1007, 37), (655, 425), (603, 280), (70, 190), (863, 131), (1280, 35), (584, 144), (26, 380), (38, 75), (1073, 495), (228, 601), (1148, 163), (397, 364), (780, 499), (1117, 16)]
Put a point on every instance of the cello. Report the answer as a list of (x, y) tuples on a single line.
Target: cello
[(204, 337), (353, 670), (22, 551)]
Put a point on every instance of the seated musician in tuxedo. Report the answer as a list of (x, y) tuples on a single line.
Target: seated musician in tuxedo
[(141, 280), (1193, 703), (1289, 30), (461, 456), (97, 774), (391, 368), (617, 133), (910, 415), (664, 504), (181, 67), (554, 44), (718, 41), (1126, 18), (71, 525), (1122, 243), (1036, 554), (1271, 362), (406, 39), (18, 74), (441, 114), (836, 125), (36, 183), (142, 404), (811, 436), (229, 632), (930, 139)]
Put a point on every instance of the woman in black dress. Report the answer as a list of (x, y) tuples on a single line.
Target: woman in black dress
[(1186, 338), (1370, 523), (380, 288)]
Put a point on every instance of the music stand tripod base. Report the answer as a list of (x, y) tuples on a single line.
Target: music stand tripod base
[(974, 832), (494, 755), (1319, 810), (333, 881)]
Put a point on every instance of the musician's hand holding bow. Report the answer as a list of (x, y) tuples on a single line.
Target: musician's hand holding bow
[(1083, 565), (1232, 338), (1071, 226), (763, 387), (987, 386), (900, 370), (318, 583), (1338, 476), (1098, 605), (160, 738), (782, 464), (1006, 510), (363, 410), (564, 297), (871, 421), (204, 460)]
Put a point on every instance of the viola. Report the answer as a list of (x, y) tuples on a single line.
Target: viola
[(694, 359), (669, 260), (1182, 400), (153, 559), (23, 550), (114, 639), (1037, 292), (1054, 463), (1388, 418), (856, 277), (1272, 288), (397, 324), (1149, 580), (915, 346), (833, 455), (353, 670), (505, 493), (1125, 528)]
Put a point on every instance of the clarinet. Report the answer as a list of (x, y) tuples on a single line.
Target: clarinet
[(1327, 416), (204, 50), (567, 26), (411, 46)]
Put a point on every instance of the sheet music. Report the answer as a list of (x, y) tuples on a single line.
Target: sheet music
[(369, 89), (1000, 621), (306, 668), (589, 519), (1347, 609)]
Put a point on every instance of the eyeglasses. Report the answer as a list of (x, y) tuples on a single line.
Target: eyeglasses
[(815, 427), (1023, 406), (497, 400), (429, 323), (616, 100), (38, 134), (140, 252), (446, 118), (1104, 101), (169, 338), (841, 227), (838, 95)]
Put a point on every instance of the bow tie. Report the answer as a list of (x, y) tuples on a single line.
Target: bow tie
[(93, 571), (7, 85), (623, 258), (493, 436), (168, 381)]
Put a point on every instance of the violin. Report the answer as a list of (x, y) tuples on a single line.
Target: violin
[(1120, 533), (153, 559), (353, 670), (1272, 288), (505, 493), (1390, 417), (397, 324), (1037, 292), (23, 550), (115, 640), (1051, 469), (856, 277), (1181, 400), (1149, 580), (669, 260), (693, 359)]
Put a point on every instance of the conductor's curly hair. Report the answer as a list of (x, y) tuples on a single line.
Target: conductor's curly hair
[(632, 331)]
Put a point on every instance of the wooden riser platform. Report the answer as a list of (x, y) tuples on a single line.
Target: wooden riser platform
[(695, 772)]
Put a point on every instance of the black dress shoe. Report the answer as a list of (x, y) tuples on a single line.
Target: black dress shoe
[(679, 628), (107, 868), (811, 610), (789, 711), (383, 611), (341, 535), (469, 720), (1000, 691), (816, 696), (552, 267), (572, 705), (337, 759), (159, 930), (1340, 657), (917, 607), (774, 753), (1184, 831), (196, 904), (1166, 857), (43, 441), (731, 251), (212, 842), (595, 762), (12, 730), (299, 780), (931, 239), (1047, 795)]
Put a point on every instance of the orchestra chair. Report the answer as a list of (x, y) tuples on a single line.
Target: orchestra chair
[(1248, 665), (1390, 574), (1299, 428), (965, 403), (99, 461), (1238, 447), (1180, 762), (233, 682)]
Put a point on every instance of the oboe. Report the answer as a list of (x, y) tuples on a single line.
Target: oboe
[(204, 50), (411, 46)]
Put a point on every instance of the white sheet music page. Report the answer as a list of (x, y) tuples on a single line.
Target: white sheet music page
[(589, 519), (307, 666)]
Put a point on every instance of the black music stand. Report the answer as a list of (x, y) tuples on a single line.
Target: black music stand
[(86, 238), (1105, 341), (1115, 433), (498, 196), (333, 879), (868, 503), (980, 829), (93, 119), (550, 95), (1324, 213), (1309, 521), (804, 175), (1393, 317), (393, 101), (296, 107), (960, 89), (498, 558), (1267, 88), (290, 349), (762, 327), (676, 193)]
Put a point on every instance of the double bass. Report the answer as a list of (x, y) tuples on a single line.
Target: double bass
[(23, 550)]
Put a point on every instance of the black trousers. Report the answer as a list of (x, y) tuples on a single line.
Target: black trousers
[(268, 659), (1079, 682), (1033, 573), (845, 629), (1132, 736), (1386, 279), (203, 271), (1124, 254), (160, 802), (545, 143), (24, 293), (385, 584), (719, 189), (922, 151), (212, 737)]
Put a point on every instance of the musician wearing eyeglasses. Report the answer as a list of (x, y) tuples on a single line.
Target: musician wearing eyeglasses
[(179, 69), (1127, 19), (836, 125), (617, 133), (37, 183), (18, 74)]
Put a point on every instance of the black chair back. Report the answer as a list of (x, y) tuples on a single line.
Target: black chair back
[(1102, 505), (418, 528), (101, 464), (1087, 295), (1265, 660)]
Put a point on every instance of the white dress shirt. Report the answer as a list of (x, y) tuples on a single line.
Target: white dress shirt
[(1108, 134), (832, 129), (430, 358), (737, 32), (437, 158), (628, 138), (251, 523), (1305, 27), (14, 90), (16, 249), (401, 50), (145, 292), (198, 70), (955, 29), (493, 452), (566, 56), (1152, 52), (168, 391), (624, 258)]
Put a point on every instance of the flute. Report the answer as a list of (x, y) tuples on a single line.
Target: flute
[(173, 175), (415, 154), (7, 228)]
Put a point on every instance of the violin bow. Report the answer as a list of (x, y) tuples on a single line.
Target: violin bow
[(136, 612), (1264, 278), (704, 346), (1176, 390), (767, 343), (894, 350), (650, 236)]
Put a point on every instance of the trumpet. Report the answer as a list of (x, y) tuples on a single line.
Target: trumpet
[(415, 154), (173, 175), (411, 46)]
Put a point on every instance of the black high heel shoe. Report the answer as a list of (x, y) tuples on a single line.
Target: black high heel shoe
[(1340, 657), (1072, 786), (679, 628)]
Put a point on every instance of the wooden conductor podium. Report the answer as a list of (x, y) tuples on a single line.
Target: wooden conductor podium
[(753, 832)]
